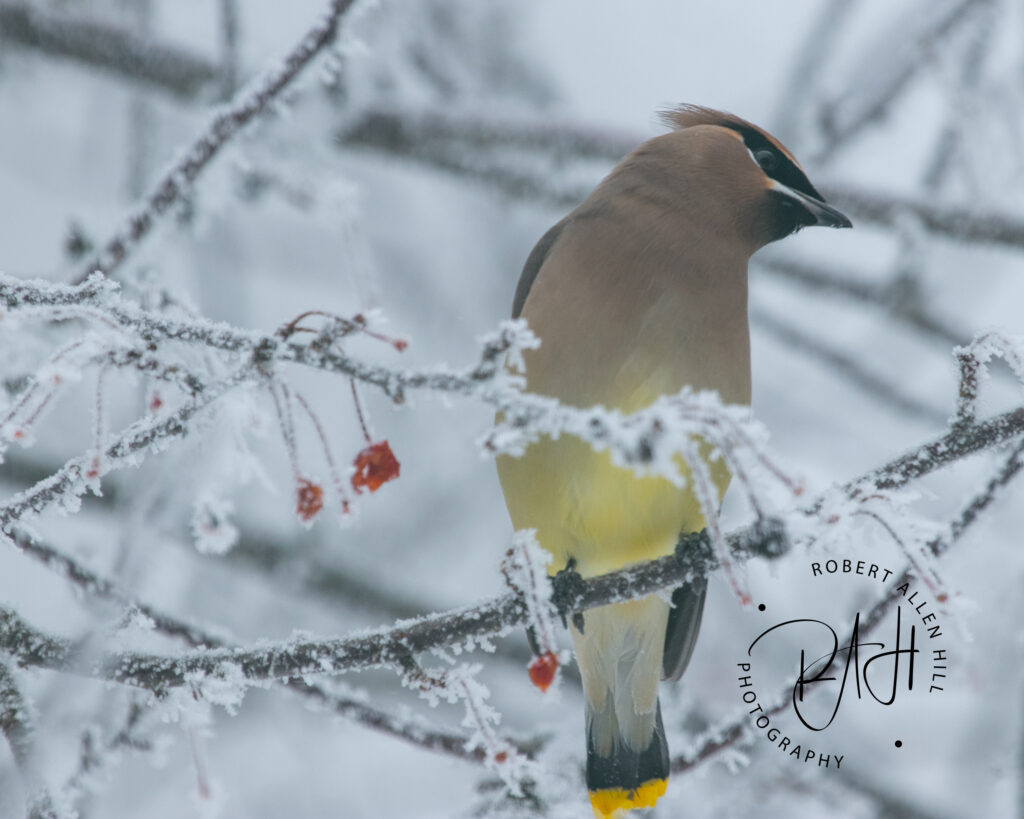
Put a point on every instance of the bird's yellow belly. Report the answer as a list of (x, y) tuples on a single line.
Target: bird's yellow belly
[(586, 508)]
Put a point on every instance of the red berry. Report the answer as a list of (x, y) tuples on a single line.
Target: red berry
[(309, 499), (543, 669), (375, 466)]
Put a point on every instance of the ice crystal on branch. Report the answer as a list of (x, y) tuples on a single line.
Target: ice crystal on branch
[(973, 361)]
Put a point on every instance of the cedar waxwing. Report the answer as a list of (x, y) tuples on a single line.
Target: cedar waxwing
[(639, 292)]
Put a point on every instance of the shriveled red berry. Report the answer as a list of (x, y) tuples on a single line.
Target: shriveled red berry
[(375, 466), (543, 669), (309, 499)]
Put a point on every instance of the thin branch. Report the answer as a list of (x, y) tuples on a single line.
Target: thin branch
[(638, 441), (96, 585), (425, 133), (96, 754), (174, 185), (297, 569), (229, 46), (801, 82), (105, 46), (415, 731), (294, 570), (733, 730), (848, 367), (949, 144), (461, 145), (381, 648), (69, 482), (965, 224), (883, 81), (892, 297), (956, 444)]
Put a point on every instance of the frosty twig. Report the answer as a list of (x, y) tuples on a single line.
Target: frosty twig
[(174, 185)]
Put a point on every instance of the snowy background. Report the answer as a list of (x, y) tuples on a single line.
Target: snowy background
[(908, 115)]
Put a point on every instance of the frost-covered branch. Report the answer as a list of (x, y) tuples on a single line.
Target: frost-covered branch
[(645, 441), (171, 188), (734, 730), (65, 487), (102, 45), (99, 753), (636, 440), (406, 727), (973, 360), (296, 659), (388, 648), (16, 726)]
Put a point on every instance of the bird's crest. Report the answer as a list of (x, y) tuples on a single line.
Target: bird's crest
[(686, 116)]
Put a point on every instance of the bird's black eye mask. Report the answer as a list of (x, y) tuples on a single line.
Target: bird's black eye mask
[(774, 161)]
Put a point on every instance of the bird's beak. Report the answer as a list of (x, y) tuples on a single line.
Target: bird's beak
[(823, 213)]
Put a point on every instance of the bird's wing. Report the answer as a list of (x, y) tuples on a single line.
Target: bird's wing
[(683, 627), (534, 262)]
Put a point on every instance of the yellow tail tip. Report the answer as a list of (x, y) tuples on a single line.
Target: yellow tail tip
[(612, 803)]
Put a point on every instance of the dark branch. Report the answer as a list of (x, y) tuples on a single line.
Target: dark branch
[(101, 45), (948, 221), (16, 726), (951, 447)]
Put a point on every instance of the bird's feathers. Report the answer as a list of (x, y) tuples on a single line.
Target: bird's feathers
[(683, 627), (639, 292)]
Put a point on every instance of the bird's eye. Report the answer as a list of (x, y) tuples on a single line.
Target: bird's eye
[(767, 160)]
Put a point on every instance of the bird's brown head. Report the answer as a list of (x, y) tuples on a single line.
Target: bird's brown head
[(742, 176)]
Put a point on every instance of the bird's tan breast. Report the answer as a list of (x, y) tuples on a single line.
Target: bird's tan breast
[(624, 315), (628, 312)]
